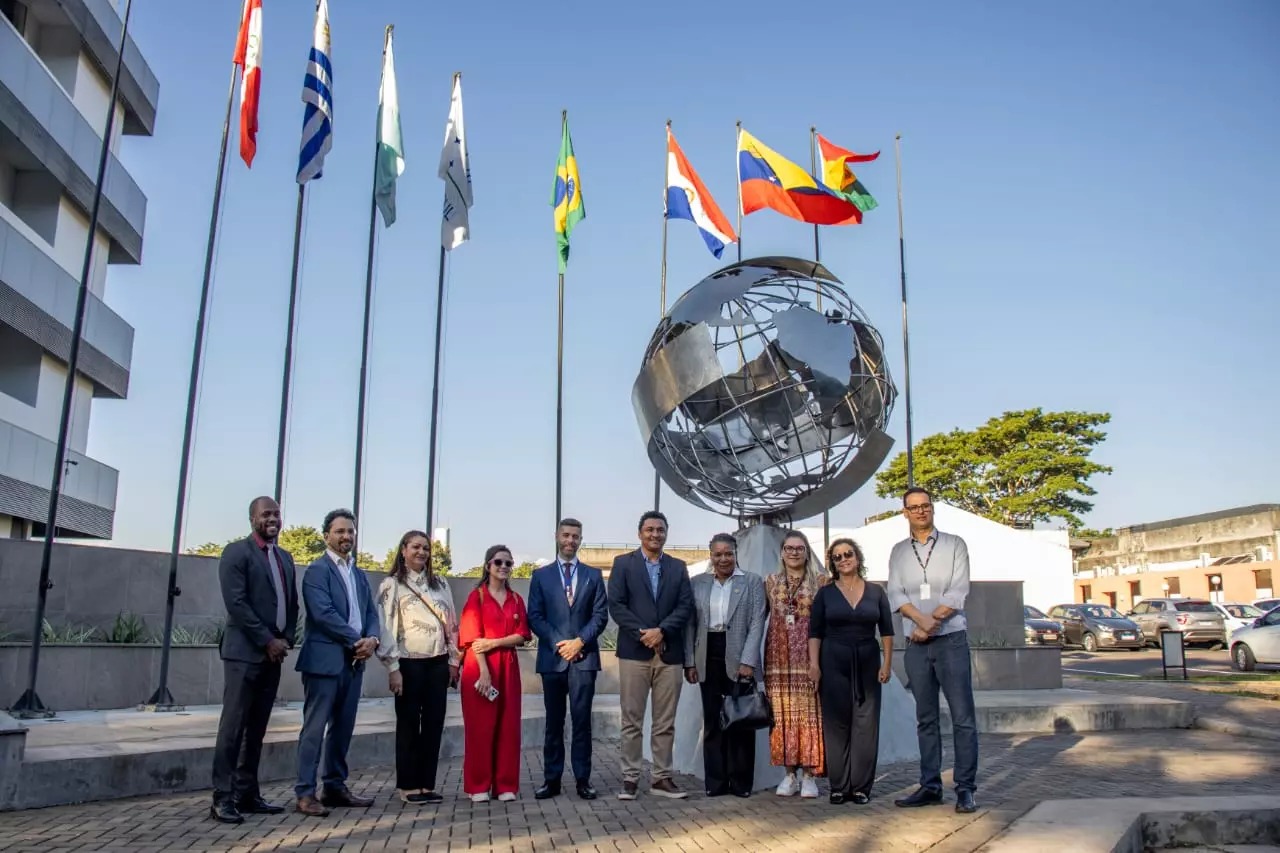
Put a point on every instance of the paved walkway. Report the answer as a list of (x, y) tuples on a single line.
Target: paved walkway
[(1017, 771), (1262, 715)]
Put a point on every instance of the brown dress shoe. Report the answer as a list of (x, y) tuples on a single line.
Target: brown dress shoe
[(309, 807), (667, 788), (332, 797)]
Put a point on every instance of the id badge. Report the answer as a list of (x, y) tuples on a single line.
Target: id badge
[(791, 619), (924, 591)]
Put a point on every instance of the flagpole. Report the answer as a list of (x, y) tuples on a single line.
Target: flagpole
[(368, 308), (564, 123), (662, 302), (906, 347), (817, 259), (737, 172), (29, 705), (162, 699), (288, 346)]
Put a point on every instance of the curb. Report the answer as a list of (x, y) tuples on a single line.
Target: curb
[(1217, 724)]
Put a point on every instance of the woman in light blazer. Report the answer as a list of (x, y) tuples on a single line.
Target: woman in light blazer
[(723, 644)]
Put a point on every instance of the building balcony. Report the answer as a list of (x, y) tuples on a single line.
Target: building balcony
[(41, 129), (38, 300), (88, 504)]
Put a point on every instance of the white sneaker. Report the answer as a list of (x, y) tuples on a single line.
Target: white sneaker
[(479, 798), (787, 787), (510, 797), (808, 788)]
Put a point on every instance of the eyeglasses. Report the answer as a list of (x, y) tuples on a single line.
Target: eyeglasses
[(794, 549), (842, 556), (503, 564), (918, 508)]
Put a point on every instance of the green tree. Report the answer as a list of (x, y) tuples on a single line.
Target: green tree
[(208, 549), (1090, 534), (441, 559), (524, 570), (1020, 467), (302, 541)]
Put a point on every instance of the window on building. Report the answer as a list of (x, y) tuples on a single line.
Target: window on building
[(1175, 586), (1135, 591), (1262, 582), (1086, 592), (19, 366), (16, 12)]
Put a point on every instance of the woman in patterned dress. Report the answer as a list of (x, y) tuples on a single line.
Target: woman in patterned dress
[(796, 740)]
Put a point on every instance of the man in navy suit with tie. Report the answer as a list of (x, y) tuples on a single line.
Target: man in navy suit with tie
[(341, 634), (568, 610), (651, 600)]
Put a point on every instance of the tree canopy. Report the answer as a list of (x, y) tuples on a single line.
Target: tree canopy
[(523, 570), (1018, 468)]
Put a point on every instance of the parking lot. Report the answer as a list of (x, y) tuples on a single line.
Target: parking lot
[(1146, 664)]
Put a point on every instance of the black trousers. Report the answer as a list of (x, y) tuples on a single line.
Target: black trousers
[(575, 687), (850, 698), (248, 693), (728, 757), (420, 710)]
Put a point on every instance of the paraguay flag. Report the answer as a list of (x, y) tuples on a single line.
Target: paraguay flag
[(687, 198)]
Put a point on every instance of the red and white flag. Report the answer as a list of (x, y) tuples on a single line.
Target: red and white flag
[(249, 58)]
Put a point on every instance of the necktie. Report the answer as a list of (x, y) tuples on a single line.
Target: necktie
[(568, 581), (282, 585)]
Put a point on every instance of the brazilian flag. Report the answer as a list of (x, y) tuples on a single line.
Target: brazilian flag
[(566, 196)]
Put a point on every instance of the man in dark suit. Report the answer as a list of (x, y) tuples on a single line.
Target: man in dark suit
[(342, 633), (261, 597), (651, 600), (568, 611)]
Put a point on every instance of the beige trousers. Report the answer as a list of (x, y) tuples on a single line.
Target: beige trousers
[(636, 681)]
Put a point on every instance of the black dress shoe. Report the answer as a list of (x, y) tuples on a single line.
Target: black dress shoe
[(431, 797), (921, 797), (585, 791), (742, 794), (257, 805), (965, 803), (860, 799), (547, 791), (332, 797), (837, 798), (224, 811)]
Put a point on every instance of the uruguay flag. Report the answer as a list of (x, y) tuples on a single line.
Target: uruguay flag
[(317, 94), (687, 198)]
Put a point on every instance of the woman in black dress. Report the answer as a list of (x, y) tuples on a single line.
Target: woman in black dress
[(848, 669)]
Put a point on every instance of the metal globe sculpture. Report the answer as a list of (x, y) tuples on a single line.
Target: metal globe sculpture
[(764, 392)]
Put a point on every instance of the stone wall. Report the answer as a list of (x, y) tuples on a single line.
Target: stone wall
[(1219, 534)]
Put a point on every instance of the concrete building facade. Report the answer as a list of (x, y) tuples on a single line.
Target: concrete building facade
[(1228, 556), (56, 58)]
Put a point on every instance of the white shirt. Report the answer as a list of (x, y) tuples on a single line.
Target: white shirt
[(573, 569), (720, 592), (345, 569)]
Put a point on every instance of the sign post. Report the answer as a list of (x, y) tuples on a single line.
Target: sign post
[(1172, 653)]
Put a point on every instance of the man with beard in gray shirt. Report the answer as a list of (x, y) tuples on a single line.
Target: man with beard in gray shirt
[(928, 584)]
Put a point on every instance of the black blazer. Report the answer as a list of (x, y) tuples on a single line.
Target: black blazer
[(250, 597), (633, 608)]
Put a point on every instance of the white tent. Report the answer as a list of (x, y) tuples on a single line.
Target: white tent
[(1041, 559)]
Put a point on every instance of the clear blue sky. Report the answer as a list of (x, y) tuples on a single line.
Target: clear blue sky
[(1091, 222)]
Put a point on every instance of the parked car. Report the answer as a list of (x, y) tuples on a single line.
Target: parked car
[(1236, 616), (1096, 626), (1040, 630), (1257, 643), (1265, 604), (1196, 619)]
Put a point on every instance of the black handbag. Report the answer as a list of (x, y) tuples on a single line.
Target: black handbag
[(746, 707)]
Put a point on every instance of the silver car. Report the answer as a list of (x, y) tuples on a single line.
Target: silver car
[(1197, 620), (1257, 643)]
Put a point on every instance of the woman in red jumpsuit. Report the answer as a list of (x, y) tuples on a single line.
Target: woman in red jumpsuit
[(492, 626)]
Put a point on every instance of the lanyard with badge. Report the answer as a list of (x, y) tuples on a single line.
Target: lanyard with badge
[(789, 597), (924, 567)]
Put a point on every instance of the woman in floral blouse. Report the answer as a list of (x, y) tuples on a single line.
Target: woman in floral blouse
[(419, 647)]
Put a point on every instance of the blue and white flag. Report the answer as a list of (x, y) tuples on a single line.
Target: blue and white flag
[(455, 171), (317, 94)]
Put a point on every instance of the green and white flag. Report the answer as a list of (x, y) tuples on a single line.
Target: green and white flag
[(455, 171), (390, 162)]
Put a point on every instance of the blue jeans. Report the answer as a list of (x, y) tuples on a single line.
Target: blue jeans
[(942, 664)]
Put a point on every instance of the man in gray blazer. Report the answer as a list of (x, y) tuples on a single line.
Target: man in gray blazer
[(258, 589), (721, 646), (342, 633)]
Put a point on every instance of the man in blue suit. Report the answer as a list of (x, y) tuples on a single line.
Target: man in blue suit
[(341, 634), (568, 610)]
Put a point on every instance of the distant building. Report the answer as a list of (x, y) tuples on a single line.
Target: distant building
[(1229, 555), (55, 60)]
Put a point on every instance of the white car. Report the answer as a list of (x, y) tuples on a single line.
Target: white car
[(1237, 615), (1257, 643), (1265, 604)]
